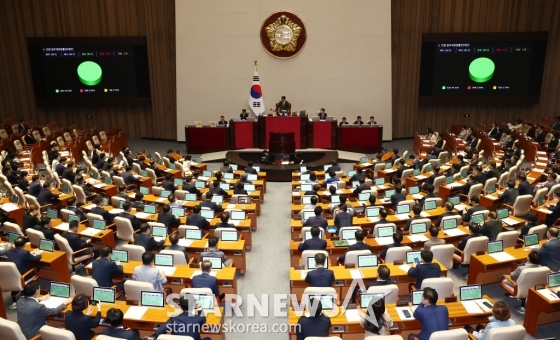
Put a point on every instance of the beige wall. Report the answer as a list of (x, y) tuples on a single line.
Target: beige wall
[(344, 67)]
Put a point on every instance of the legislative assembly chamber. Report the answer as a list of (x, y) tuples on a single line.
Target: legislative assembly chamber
[(304, 170)]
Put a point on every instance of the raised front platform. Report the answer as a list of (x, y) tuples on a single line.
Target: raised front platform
[(282, 172)]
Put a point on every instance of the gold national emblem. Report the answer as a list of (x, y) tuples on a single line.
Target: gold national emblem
[(283, 34)]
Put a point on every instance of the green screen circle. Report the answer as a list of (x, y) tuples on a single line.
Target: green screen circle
[(89, 73), (481, 70)]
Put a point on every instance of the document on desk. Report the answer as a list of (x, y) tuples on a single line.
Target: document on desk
[(89, 231), (166, 270), (480, 303), (303, 274), (472, 307), (198, 272), (351, 242), (509, 221), (390, 170), (417, 196), (185, 242), (418, 238), (373, 219), (91, 181), (424, 214), (546, 211), (295, 193), (420, 177), (382, 186), (9, 207), (135, 312), (384, 240), (400, 312), (491, 197), (352, 315), (53, 302), (366, 164), (459, 207), (62, 227), (502, 256), (142, 215), (99, 185), (235, 222), (454, 232), (231, 206), (115, 211), (355, 273), (161, 199), (550, 296), (453, 185), (405, 268), (89, 207)]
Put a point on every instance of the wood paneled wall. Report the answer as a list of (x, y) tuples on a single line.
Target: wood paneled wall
[(154, 19), (411, 18)]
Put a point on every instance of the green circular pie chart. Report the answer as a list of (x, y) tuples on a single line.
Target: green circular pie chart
[(90, 73), (481, 70)]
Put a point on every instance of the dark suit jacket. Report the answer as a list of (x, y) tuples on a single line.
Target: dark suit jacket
[(424, 271), (191, 188), (361, 188), (211, 205), (445, 214), (491, 229), (509, 195), (29, 139), (387, 247), (320, 277), (169, 220), (29, 221), (421, 201), (46, 197), (525, 188), (463, 243), (549, 252), (190, 322), (49, 234), (59, 169), (22, 259), (343, 219), (34, 189), (133, 220), (433, 318), (74, 241), (205, 280), (526, 228), (333, 168), (147, 241), (121, 333), (467, 216), (240, 192), (540, 138), (313, 326), (102, 165), (197, 220), (81, 325), (218, 191), (243, 116), (493, 173), (168, 185), (396, 198), (400, 170), (409, 222), (224, 225), (104, 270), (108, 217), (356, 246), (69, 175), (316, 221), (322, 116), (314, 243)]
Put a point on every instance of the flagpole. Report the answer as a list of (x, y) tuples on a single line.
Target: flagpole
[(256, 65)]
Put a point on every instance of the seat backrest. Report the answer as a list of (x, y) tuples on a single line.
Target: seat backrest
[(125, 231), (83, 284), (381, 225), (405, 174), (509, 238), (522, 205), (453, 334), (539, 193), (67, 136), (515, 332), (64, 246), (377, 167), (118, 180), (178, 256), (444, 155), (502, 178), (92, 216), (65, 213), (13, 228), (352, 256), (134, 252), (306, 229), (36, 135), (410, 203), (391, 292), (31, 200), (181, 229), (54, 333), (10, 330), (489, 182), (475, 190), (311, 253), (539, 229), (438, 181), (156, 191), (80, 194), (35, 236), (473, 245), (442, 285), (552, 190), (115, 201), (136, 168), (198, 123), (530, 277), (322, 338), (443, 253), (10, 278), (134, 289), (438, 200), (396, 254)]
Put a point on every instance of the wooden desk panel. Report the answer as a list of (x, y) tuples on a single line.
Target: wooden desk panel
[(539, 311)]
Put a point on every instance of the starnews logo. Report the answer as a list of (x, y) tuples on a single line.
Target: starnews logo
[(259, 306)]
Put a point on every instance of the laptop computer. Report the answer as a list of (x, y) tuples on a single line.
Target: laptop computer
[(311, 263), (59, 291), (52, 213), (470, 292), (95, 175), (304, 177), (495, 246), (372, 211), (144, 173), (455, 200), (364, 196), (165, 193), (348, 234), (152, 299), (306, 187), (448, 179), (385, 231), (65, 189), (502, 213), (258, 168), (144, 190), (491, 189), (121, 255), (477, 218), (178, 212), (351, 173), (177, 181), (403, 209), (413, 256), (205, 301), (193, 234), (121, 204), (303, 169), (531, 240), (238, 215), (198, 160), (464, 174), (216, 261), (228, 175), (99, 224), (430, 205), (418, 228), (307, 234), (429, 168), (207, 214), (12, 237), (150, 209), (363, 160), (365, 298), (108, 180), (541, 200), (414, 190), (416, 172), (190, 197), (366, 261), (224, 186), (72, 217), (305, 200), (306, 215), (379, 181), (199, 184), (335, 199), (159, 233), (389, 193), (234, 167), (104, 294), (163, 260), (355, 184), (172, 166), (327, 301), (249, 187), (252, 177), (450, 224), (553, 281), (229, 235), (46, 245)]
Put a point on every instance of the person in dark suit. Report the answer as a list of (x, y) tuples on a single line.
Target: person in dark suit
[(115, 319), (239, 189), (424, 270), (243, 115), (549, 251), (343, 218), (471, 147), (68, 173), (209, 204), (433, 318), (217, 190), (174, 240), (553, 144), (53, 151), (249, 168), (122, 193), (205, 280), (73, 208), (168, 184), (358, 175), (190, 321), (189, 186), (317, 220), (505, 166), (222, 121), (31, 314), (316, 324), (224, 219), (127, 176), (510, 194), (59, 168), (372, 121), (99, 210), (382, 219), (35, 186), (102, 163), (23, 260), (138, 204), (22, 127), (532, 217), (359, 245), (45, 227), (495, 132), (402, 167), (397, 197), (30, 219), (448, 212), (474, 231), (363, 186), (359, 121), (492, 227), (80, 324), (315, 191), (127, 206), (128, 157), (416, 210), (334, 167), (320, 277), (243, 179), (493, 172), (15, 179), (540, 134), (430, 190), (197, 220), (343, 122), (77, 244), (168, 219), (145, 239), (283, 107), (105, 269), (29, 139), (322, 114), (315, 242), (397, 242), (475, 200), (383, 273)]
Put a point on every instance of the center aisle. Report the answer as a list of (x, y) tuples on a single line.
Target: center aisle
[(268, 263)]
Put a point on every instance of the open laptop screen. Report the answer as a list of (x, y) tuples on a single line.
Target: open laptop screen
[(121, 255), (216, 261), (152, 299), (416, 297), (419, 228), (59, 289), (471, 292), (163, 260), (531, 239), (46, 245), (365, 261), (193, 234), (495, 246), (104, 294)]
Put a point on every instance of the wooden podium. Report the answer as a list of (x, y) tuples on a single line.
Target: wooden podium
[(282, 143)]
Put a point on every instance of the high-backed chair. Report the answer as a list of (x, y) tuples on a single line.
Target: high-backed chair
[(438, 200), (71, 256), (509, 238), (80, 194), (311, 253), (181, 229), (125, 232), (83, 285), (489, 182), (452, 334), (133, 289), (382, 225), (396, 254), (521, 206), (539, 229), (405, 174), (391, 292), (352, 255), (134, 252), (198, 123), (91, 217), (178, 256), (13, 228), (35, 236), (529, 277), (377, 167), (515, 332), (552, 190), (443, 253), (33, 200), (539, 193), (443, 285), (410, 203), (474, 190), (156, 191), (55, 333), (473, 245), (115, 201), (438, 181), (12, 280), (10, 330)]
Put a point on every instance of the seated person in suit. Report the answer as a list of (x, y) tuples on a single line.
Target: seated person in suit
[(80, 181), (80, 323), (73, 208), (295, 158), (315, 242), (100, 210), (501, 317), (195, 219), (359, 245), (549, 251), (243, 115), (189, 186), (342, 218), (430, 189), (510, 194), (191, 323), (46, 196), (316, 324), (474, 231), (213, 251), (267, 157), (217, 190), (77, 244), (434, 240), (35, 186), (115, 319), (222, 121), (30, 219), (145, 239), (168, 183), (23, 260), (315, 191), (359, 121), (448, 212), (148, 273), (332, 178), (492, 227), (127, 206), (45, 227), (310, 206), (205, 280), (249, 168), (358, 175), (475, 200), (532, 217), (533, 261), (320, 276), (209, 204), (239, 189), (31, 314), (122, 193), (416, 210), (397, 197), (425, 269), (317, 220), (138, 204), (104, 269), (173, 201), (322, 114), (383, 277), (224, 218), (127, 176), (334, 167), (243, 179), (363, 186), (174, 240), (397, 242), (382, 219), (29, 139), (433, 318), (168, 219), (226, 167)]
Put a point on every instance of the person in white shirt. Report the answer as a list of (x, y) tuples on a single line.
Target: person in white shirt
[(464, 132)]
